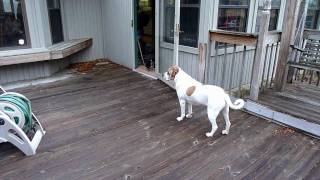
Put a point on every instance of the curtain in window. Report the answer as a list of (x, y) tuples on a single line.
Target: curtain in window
[(233, 15)]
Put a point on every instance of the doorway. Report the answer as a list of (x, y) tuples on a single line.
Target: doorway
[(145, 36)]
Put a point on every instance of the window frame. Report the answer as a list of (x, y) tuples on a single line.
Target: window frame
[(26, 30), (315, 26), (168, 45), (278, 18), (248, 7), (62, 27)]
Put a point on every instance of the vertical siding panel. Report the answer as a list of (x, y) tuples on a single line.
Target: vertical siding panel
[(83, 18)]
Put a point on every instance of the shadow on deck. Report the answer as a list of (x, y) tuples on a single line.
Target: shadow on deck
[(113, 123)]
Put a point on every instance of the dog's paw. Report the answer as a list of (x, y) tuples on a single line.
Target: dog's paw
[(208, 134), (180, 118), (189, 116), (225, 132)]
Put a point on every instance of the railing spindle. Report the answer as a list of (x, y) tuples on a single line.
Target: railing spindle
[(264, 67), (274, 65), (242, 69), (224, 66), (232, 66), (269, 66)]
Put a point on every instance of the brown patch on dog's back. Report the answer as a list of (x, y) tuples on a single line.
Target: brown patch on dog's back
[(190, 90)]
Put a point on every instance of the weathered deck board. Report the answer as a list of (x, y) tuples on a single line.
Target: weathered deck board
[(116, 124), (299, 99)]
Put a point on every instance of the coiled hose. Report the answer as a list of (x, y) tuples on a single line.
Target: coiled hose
[(24, 105)]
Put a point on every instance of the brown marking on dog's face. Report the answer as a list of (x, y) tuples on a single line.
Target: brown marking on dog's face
[(190, 90), (173, 71)]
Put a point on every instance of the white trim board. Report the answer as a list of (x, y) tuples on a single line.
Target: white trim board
[(282, 118)]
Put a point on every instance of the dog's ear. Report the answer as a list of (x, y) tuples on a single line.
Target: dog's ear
[(173, 71)]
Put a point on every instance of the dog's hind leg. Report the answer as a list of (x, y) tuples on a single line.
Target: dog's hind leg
[(212, 115), (189, 115), (225, 113), (183, 109)]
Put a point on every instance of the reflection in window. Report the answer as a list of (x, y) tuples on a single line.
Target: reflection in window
[(189, 22), (274, 16), (312, 19), (55, 21), (12, 28), (233, 15)]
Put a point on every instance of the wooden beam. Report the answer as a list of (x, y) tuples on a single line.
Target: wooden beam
[(298, 41), (238, 38), (260, 51), (288, 32)]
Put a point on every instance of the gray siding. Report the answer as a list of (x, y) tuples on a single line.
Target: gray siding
[(216, 71), (189, 63), (83, 18), (38, 26), (117, 31), (30, 70)]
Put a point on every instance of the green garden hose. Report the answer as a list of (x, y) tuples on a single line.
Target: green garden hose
[(24, 105)]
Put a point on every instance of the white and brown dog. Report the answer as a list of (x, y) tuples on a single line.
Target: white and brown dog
[(191, 91)]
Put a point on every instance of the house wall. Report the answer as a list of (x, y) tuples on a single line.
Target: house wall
[(189, 57), (40, 37), (81, 19), (118, 31)]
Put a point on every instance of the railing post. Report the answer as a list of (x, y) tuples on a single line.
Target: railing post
[(288, 32), (260, 49)]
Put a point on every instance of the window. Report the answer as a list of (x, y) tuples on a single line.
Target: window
[(233, 15), (312, 19), (189, 22), (12, 24), (55, 21), (274, 14)]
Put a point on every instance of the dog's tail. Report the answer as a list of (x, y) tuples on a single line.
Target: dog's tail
[(238, 104)]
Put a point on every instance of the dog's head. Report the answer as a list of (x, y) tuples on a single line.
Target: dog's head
[(171, 73)]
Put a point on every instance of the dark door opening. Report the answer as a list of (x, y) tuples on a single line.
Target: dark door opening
[(145, 34)]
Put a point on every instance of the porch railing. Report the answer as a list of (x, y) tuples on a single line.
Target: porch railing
[(231, 60), (233, 48)]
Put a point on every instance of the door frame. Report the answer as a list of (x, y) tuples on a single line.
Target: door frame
[(156, 33)]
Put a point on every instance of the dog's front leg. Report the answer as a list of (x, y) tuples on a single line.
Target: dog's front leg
[(189, 115), (183, 109)]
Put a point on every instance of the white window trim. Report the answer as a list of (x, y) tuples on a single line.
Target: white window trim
[(249, 20)]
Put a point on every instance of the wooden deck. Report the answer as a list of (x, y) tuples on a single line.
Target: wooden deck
[(299, 99), (113, 123)]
